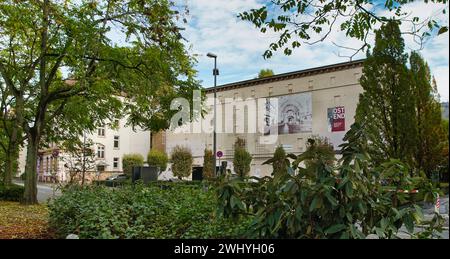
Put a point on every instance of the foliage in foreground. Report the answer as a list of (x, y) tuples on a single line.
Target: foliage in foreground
[(139, 212), (23, 222), (347, 200)]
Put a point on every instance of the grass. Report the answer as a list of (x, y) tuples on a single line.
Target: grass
[(23, 222)]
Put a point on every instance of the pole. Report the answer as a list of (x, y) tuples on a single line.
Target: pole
[(84, 159), (215, 116)]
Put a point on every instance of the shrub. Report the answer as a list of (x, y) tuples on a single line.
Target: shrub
[(208, 164), (279, 161), (181, 162), (242, 159), (131, 160), (158, 159), (348, 200), (11, 193), (177, 211)]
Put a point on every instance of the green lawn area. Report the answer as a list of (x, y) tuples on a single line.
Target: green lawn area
[(23, 222)]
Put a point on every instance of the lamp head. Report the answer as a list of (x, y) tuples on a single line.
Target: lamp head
[(211, 55)]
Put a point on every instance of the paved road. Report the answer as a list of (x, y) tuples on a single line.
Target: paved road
[(45, 191)]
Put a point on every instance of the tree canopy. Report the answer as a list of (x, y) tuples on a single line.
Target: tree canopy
[(399, 107), (130, 49), (300, 22), (265, 73)]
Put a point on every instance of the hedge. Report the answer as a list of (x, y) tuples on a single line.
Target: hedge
[(162, 211), (11, 193)]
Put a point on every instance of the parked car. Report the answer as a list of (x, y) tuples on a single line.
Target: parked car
[(116, 180)]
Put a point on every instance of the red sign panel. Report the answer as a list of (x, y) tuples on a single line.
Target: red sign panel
[(336, 117)]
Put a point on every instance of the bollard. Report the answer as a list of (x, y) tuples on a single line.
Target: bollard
[(437, 206)]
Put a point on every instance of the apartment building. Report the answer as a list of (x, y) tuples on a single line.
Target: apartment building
[(109, 144)]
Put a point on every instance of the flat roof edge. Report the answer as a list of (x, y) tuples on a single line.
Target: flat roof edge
[(289, 75)]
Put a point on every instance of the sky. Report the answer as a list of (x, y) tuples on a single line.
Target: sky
[(213, 26)]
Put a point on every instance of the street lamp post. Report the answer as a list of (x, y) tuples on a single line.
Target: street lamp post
[(215, 73)]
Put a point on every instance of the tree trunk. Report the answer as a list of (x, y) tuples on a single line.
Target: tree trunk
[(9, 165), (30, 195), (11, 156)]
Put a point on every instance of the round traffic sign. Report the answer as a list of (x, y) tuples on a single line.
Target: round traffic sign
[(219, 154)]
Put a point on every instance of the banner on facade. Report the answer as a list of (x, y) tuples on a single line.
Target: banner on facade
[(294, 114), (336, 119)]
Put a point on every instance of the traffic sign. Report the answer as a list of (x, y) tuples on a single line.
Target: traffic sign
[(219, 154)]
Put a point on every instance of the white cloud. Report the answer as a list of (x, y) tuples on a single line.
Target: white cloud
[(214, 27)]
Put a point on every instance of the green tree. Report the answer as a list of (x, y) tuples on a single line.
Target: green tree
[(242, 158), (386, 107), (318, 152), (158, 158), (80, 158), (279, 162), (265, 73), (182, 160), (299, 22), (131, 160), (208, 164), (39, 39), (431, 137), (11, 137)]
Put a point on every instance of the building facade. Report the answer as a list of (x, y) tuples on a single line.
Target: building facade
[(109, 144), (314, 102)]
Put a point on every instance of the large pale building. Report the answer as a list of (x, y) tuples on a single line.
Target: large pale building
[(314, 102)]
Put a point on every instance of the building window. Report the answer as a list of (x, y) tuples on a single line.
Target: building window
[(101, 131), (337, 100), (333, 80), (311, 84), (290, 88), (100, 152), (116, 142), (116, 163), (101, 168)]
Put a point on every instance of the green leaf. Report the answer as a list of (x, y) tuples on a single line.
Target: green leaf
[(349, 189), (316, 203), (409, 223), (419, 212), (335, 228), (443, 30), (356, 233), (331, 199)]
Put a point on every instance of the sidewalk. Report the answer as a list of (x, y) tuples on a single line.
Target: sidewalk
[(45, 191)]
